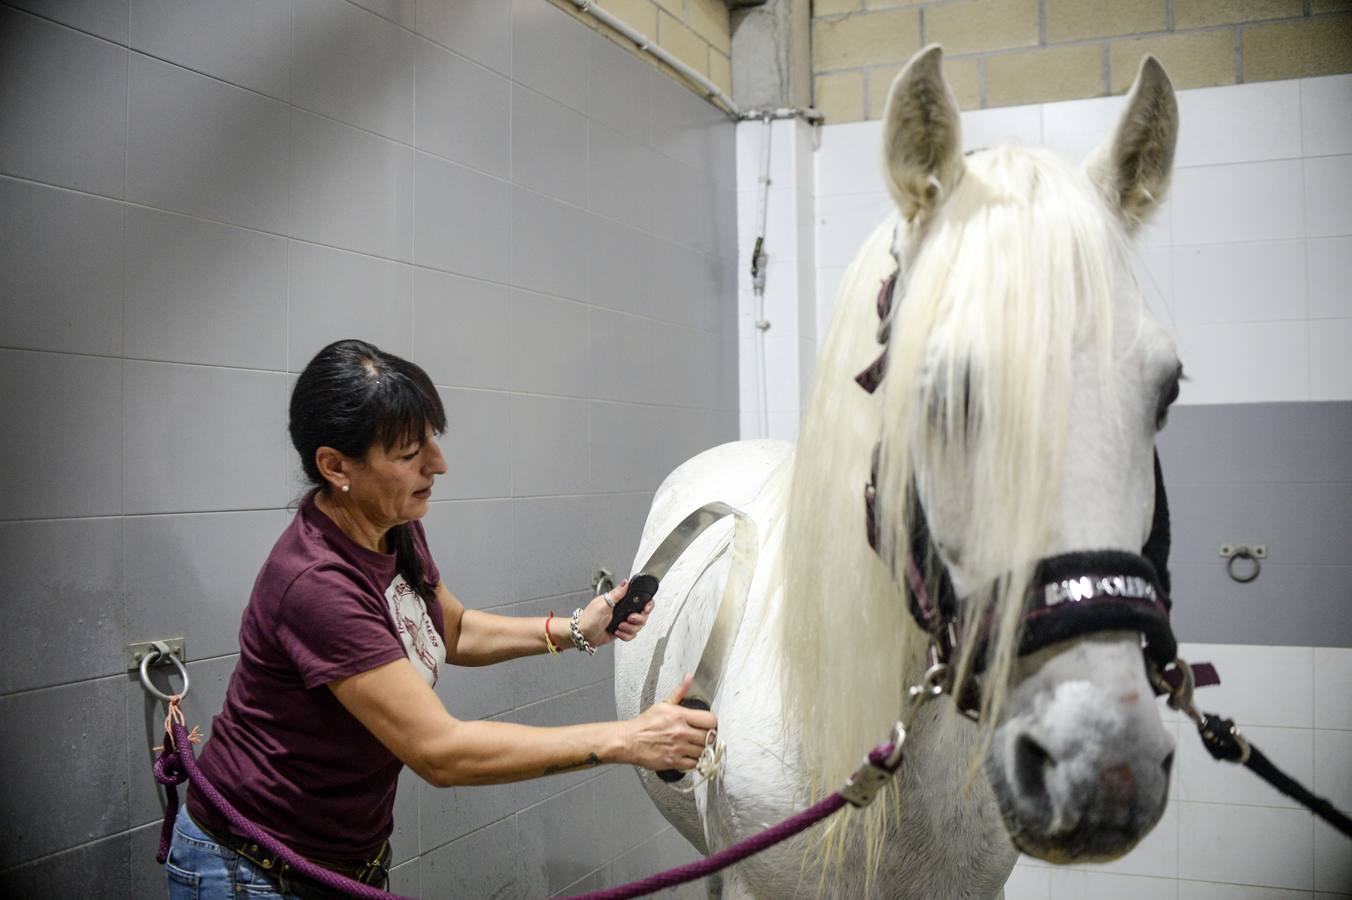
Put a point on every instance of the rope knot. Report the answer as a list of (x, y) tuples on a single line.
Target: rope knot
[(168, 767)]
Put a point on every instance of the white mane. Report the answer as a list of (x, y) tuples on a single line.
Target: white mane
[(1015, 271)]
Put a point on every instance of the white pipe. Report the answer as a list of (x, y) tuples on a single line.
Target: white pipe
[(758, 283), (711, 91)]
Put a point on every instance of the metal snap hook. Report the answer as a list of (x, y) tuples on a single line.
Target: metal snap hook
[(157, 651)]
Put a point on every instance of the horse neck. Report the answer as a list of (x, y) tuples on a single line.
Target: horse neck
[(949, 827)]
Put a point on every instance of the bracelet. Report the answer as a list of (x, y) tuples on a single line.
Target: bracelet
[(549, 641), (575, 632)]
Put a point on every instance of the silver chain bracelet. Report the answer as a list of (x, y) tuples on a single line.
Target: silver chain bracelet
[(575, 632)]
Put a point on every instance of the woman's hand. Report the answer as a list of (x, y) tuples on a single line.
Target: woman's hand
[(596, 617), (667, 735)]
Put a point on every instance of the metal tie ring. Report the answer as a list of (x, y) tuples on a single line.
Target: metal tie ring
[(1243, 553), (155, 653)]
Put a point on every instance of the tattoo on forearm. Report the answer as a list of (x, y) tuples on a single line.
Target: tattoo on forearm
[(591, 761)]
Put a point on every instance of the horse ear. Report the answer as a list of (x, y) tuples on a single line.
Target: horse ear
[(1132, 166), (922, 136)]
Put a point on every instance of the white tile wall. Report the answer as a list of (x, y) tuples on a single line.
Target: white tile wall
[(1075, 127), (63, 114), (1330, 360), (1246, 282), (177, 118), (1239, 202), (354, 67), (1220, 361), (350, 188), (203, 292), (54, 302), (844, 221), (1211, 890), (1332, 674), (1209, 835), (1332, 862), (1077, 884), (1239, 123), (1253, 241), (1009, 125), (1326, 115), (1330, 276), (1328, 195), (849, 160), (246, 45)]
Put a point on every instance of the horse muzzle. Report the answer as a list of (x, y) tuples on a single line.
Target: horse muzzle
[(1081, 763)]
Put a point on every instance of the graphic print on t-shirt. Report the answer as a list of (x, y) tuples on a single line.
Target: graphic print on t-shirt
[(415, 628)]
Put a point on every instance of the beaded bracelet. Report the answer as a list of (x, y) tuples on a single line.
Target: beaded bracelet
[(549, 641), (575, 632)]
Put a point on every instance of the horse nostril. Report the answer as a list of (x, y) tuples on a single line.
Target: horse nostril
[(1168, 763), (1031, 762)]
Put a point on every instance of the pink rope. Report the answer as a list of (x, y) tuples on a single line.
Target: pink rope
[(737, 852), (173, 762), (173, 766), (723, 858)]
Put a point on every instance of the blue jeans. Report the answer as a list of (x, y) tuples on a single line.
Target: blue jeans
[(198, 868)]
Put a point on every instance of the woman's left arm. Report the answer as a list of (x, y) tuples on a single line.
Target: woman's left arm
[(478, 638)]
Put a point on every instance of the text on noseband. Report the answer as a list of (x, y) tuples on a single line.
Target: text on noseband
[(1086, 588)]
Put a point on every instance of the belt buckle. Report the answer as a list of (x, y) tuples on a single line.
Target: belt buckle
[(377, 867)]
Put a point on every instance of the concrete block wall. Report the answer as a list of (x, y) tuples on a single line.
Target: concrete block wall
[(697, 32), (1012, 52), (196, 196)]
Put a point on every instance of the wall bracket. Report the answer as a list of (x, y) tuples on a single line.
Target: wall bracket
[(138, 651)]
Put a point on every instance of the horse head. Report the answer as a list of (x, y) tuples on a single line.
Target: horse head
[(1025, 383)]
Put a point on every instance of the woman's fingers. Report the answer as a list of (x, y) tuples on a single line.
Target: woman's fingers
[(630, 627)]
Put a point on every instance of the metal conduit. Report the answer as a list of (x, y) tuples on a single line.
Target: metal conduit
[(712, 92)]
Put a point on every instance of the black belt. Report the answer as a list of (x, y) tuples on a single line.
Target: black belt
[(374, 871)]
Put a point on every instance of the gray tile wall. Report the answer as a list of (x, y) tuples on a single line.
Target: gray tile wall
[(195, 197), (1278, 474)]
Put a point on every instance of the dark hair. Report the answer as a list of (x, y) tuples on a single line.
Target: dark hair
[(353, 396)]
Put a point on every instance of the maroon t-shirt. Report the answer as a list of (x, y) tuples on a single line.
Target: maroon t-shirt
[(283, 750)]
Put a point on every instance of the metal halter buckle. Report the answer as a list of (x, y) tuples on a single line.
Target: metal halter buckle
[(1180, 698), (868, 779), (862, 786)]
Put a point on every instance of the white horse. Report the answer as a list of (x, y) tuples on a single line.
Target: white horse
[(1025, 383)]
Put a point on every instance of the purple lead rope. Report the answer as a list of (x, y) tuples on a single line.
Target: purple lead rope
[(173, 766), (878, 758)]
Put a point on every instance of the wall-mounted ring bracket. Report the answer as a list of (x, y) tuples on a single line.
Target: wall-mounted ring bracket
[(139, 650), (165, 652), (602, 580), (1234, 553)]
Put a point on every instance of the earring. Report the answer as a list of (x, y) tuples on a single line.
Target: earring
[(345, 488)]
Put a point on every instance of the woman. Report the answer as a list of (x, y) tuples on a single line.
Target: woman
[(342, 641)]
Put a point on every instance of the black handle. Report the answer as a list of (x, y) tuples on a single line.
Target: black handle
[(673, 775), (642, 588)]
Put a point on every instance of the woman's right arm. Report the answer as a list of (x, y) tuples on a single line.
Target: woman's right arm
[(404, 714)]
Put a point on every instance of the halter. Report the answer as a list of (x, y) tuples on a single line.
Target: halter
[(1069, 595)]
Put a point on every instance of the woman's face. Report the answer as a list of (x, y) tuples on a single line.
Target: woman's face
[(393, 486)]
